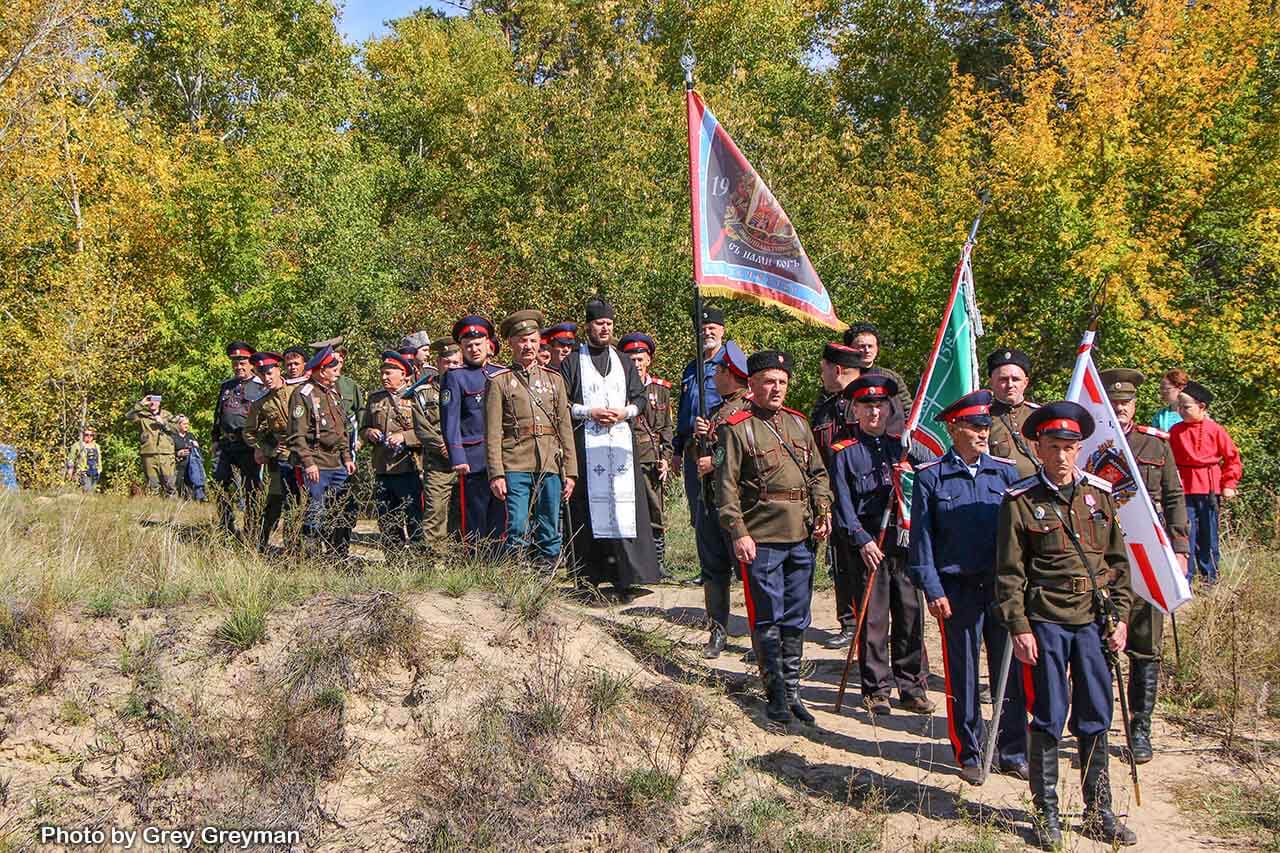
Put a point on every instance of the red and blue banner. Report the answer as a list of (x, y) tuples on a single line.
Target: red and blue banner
[(744, 246)]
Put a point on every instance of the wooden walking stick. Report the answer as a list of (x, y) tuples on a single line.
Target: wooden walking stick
[(862, 611)]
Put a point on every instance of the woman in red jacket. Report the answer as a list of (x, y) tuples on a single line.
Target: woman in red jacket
[(1209, 465)]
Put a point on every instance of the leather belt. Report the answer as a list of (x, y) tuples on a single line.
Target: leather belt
[(531, 431), (1078, 584), (783, 495)]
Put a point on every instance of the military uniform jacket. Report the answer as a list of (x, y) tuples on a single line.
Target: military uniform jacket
[(862, 482), (1006, 440), (687, 411), (955, 518), (1038, 573), (426, 422), (829, 422), (761, 491), (389, 413), (653, 428), (318, 427), (1159, 474), (528, 427), (155, 438), (462, 414), (231, 412), (729, 406), (267, 426)]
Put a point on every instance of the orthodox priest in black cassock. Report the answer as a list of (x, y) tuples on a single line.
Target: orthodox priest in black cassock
[(608, 513)]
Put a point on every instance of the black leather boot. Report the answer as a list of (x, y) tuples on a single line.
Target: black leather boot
[(1042, 759), (792, 656), (1099, 822), (715, 643), (1144, 678), (715, 596), (769, 646)]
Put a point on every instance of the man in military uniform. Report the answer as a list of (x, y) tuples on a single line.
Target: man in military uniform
[(864, 338), (561, 340), (685, 444), (955, 507), (481, 514), (266, 430), (1046, 596), (295, 365), (716, 562), (322, 451), (653, 434), (773, 497), (233, 457), (417, 347), (830, 420), (155, 444), (440, 509), (1159, 475), (1009, 372), (387, 426), (529, 442), (891, 651)]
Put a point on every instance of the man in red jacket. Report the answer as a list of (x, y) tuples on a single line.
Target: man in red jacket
[(1209, 465)]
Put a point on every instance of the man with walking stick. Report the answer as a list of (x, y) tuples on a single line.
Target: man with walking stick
[(955, 506), (1062, 588)]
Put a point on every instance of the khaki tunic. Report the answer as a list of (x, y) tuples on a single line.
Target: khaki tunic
[(389, 413), (654, 427), (1006, 439), (266, 427), (1039, 577), (155, 439), (761, 491), (318, 427), (426, 425), (528, 427)]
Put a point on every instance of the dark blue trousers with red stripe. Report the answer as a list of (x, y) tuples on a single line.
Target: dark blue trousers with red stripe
[(974, 624), (779, 585), (1071, 670)]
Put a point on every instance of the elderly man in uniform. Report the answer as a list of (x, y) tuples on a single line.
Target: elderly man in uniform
[(561, 340), (955, 507), (387, 426), (1009, 372), (232, 456), (653, 435), (716, 562), (322, 451), (1045, 594), (266, 430), (529, 443), (773, 497), (891, 652), (613, 536), (439, 481), (686, 441), (830, 420), (462, 423), (155, 444), (1159, 475), (864, 338)]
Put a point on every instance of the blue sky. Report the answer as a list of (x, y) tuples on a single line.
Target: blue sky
[(364, 18)]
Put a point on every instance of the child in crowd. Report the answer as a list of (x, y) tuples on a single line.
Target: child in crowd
[(1209, 465)]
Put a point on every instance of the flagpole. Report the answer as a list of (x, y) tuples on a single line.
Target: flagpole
[(688, 59)]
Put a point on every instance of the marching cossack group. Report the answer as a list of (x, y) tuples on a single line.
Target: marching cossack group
[(559, 453)]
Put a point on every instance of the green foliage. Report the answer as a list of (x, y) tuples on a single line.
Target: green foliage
[(178, 173)]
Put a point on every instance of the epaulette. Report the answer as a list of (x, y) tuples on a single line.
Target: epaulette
[(1002, 459), (499, 372), (1148, 430), (1031, 405), (1098, 482), (928, 464), (801, 415), (738, 417), (1022, 486), (843, 444), (305, 390), (656, 381)]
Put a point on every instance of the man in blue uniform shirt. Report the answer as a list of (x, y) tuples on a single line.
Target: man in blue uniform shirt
[(482, 516), (955, 511), (685, 443)]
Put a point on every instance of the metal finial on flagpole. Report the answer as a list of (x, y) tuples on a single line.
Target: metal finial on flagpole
[(688, 59)]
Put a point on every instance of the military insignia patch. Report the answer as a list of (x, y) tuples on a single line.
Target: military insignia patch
[(1039, 513), (298, 411), (445, 396), (717, 457)]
